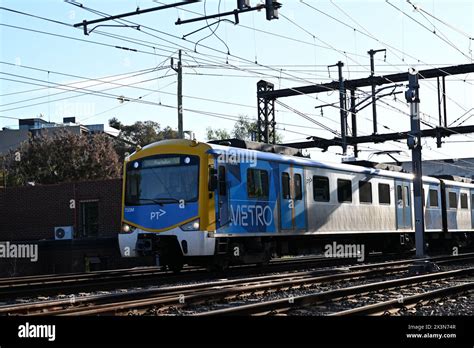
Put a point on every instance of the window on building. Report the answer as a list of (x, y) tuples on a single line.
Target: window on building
[(434, 198), (285, 185), (344, 190), (298, 188), (464, 203), (384, 193), (321, 188), (453, 200), (257, 183), (365, 192), (89, 219)]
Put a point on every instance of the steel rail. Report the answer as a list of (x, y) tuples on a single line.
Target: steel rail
[(283, 305), (386, 306)]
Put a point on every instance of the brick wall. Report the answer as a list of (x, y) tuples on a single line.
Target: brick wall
[(29, 215)]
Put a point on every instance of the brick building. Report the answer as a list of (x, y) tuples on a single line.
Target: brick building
[(89, 210)]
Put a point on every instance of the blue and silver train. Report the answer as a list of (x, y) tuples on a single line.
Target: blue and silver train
[(235, 202)]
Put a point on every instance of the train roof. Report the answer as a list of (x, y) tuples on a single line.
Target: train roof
[(264, 147), (217, 149), (283, 154)]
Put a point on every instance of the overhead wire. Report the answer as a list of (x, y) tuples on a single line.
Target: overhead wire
[(373, 37), (431, 31)]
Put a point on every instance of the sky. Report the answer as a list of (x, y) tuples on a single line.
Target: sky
[(52, 69)]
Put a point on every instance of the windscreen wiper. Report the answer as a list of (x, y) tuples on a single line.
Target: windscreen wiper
[(160, 200)]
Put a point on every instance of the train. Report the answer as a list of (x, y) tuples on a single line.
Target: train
[(231, 202)]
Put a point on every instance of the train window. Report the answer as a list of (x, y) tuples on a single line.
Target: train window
[(344, 190), (464, 204), (285, 185), (320, 188), (257, 183), (222, 181), (384, 193), (407, 196), (453, 200), (399, 195), (434, 198), (472, 202), (298, 188), (365, 192)]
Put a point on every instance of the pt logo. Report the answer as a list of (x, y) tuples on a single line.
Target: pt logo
[(155, 215)]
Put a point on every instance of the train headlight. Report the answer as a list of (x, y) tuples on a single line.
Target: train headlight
[(127, 228), (191, 226)]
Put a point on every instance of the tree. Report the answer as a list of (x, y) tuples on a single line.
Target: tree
[(217, 134), (62, 157), (139, 133), (143, 133), (244, 128)]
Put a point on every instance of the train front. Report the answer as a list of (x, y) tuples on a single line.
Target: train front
[(167, 209)]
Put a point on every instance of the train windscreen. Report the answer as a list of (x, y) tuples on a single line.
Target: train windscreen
[(162, 179)]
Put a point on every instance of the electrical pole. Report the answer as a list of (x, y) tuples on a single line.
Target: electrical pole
[(354, 121), (266, 115), (180, 98), (372, 73), (179, 70), (342, 105), (414, 143)]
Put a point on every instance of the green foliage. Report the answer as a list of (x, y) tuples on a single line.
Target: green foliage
[(143, 133), (62, 157), (139, 133), (217, 134), (243, 129)]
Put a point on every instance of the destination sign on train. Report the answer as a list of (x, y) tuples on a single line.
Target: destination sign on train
[(156, 162)]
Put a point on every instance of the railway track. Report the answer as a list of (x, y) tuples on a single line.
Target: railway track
[(49, 284), (44, 285), (167, 297), (285, 305), (164, 299), (407, 302)]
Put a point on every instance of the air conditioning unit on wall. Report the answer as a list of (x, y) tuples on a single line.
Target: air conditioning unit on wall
[(63, 232)]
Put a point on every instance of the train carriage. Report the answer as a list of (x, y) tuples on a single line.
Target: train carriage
[(242, 202)]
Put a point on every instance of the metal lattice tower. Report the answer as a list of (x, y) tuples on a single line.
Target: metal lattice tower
[(266, 114)]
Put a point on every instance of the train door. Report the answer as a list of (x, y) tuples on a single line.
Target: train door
[(403, 199), (292, 208), (223, 196)]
